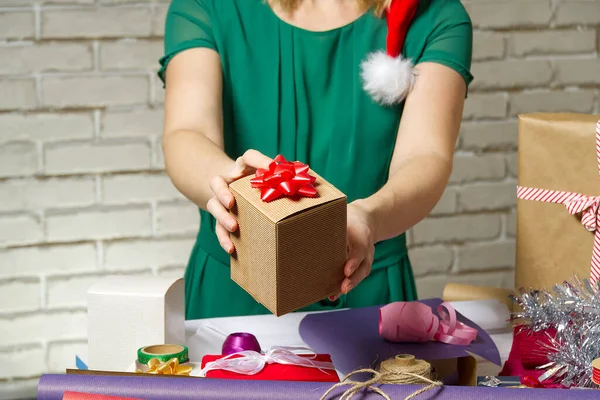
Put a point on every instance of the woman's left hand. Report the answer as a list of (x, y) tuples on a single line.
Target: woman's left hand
[(361, 248)]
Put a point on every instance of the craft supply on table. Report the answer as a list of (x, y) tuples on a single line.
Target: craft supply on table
[(128, 312), (92, 396), (276, 363), (362, 344), (413, 322), (52, 387), (240, 341), (294, 243), (596, 371), (402, 369)]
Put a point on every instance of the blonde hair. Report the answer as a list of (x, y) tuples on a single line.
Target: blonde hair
[(379, 6)]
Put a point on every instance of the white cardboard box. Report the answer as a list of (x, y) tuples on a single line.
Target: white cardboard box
[(126, 313)]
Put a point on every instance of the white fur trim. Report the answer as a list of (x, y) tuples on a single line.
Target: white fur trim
[(387, 79)]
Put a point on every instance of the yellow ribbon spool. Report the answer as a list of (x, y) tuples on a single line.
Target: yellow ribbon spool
[(171, 367)]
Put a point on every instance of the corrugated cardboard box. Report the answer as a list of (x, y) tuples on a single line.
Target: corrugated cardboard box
[(290, 252), (556, 152)]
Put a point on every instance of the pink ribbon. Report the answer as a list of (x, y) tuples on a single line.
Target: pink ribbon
[(576, 204), (410, 322)]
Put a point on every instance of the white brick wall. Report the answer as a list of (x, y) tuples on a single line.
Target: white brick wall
[(82, 187)]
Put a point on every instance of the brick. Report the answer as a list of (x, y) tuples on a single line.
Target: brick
[(17, 93), (512, 161), (489, 135), (456, 228), (177, 217), (35, 261), (94, 91), (18, 159), (20, 388), (431, 259), (481, 256), (159, 90), (22, 363), (99, 22), (70, 158), (46, 127), (20, 295), (433, 286), (138, 188), (136, 123), (485, 105), (159, 156), (581, 101), (130, 55), (158, 20), (17, 25), (20, 229), (62, 355), (585, 12), (41, 194), (574, 72), (488, 46), (472, 167), (68, 291), (511, 224), (43, 326), (511, 74), (487, 196), (45, 57), (143, 254), (447, 204), (552, 42), (103, 223), (175, 272), (509, 13)]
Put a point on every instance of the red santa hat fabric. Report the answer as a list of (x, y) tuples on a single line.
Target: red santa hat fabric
[(387, 76)]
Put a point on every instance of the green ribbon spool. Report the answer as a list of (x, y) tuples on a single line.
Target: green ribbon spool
[(163, 352)]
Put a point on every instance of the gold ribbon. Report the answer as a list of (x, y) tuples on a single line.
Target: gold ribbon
[(170, 367)]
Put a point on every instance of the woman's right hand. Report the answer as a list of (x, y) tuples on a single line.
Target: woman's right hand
[(223, 200)]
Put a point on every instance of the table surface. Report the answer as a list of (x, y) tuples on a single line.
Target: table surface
[(206, 336)]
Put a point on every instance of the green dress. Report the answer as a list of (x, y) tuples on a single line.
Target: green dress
[(298, 93)]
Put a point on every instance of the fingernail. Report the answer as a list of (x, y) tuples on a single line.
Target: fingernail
[(230, 249), (349, 287)]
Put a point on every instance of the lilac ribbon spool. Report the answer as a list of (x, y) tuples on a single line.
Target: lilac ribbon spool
[(240, 341)]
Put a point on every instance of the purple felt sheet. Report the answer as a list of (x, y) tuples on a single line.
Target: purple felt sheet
[(52, 387), (352, 339)]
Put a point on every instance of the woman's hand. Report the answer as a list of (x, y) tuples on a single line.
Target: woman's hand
[(361, 248), (223, 200)]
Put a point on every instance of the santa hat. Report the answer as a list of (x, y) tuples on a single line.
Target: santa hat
[(387, 76)]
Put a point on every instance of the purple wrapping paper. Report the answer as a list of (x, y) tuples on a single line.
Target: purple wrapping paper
[(52, 387), (352, 339)]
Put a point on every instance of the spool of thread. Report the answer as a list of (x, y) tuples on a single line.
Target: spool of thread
[(240, 341), (163, 352), (402, 369), (596, 371)]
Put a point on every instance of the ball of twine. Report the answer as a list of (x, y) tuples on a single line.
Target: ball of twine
[(402, 369)]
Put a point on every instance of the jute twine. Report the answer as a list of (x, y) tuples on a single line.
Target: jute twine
[(402, 369)]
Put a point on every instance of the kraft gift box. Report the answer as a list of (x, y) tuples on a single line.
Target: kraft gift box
[(129, 312), (289, 252), (556, 152)]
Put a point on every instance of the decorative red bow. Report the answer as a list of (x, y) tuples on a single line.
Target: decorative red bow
[(284, 178)]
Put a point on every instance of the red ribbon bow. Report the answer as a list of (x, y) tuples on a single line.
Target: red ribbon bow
[(284, 178)]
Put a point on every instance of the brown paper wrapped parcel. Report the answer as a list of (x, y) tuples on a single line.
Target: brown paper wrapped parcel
[(556, 152), (289, 252)]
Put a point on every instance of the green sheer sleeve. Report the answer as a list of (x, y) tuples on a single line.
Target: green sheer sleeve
[(451, 39), (188, 25)]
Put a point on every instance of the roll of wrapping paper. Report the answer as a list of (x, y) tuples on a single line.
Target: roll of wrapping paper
[(461, 292), (596, 371), (163, 352), (52, 387)]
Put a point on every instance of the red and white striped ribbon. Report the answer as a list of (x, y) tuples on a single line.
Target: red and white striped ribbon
[(577, 204)]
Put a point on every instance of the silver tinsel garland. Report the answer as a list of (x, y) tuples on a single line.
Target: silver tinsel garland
[(573, 309)]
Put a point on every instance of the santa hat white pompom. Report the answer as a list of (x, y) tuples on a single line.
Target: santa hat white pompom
[(388, 80), (387, 76)]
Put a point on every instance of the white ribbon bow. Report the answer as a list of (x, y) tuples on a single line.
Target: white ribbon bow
[(250, 362)]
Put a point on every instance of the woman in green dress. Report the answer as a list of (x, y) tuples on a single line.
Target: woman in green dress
[(246, 80)]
